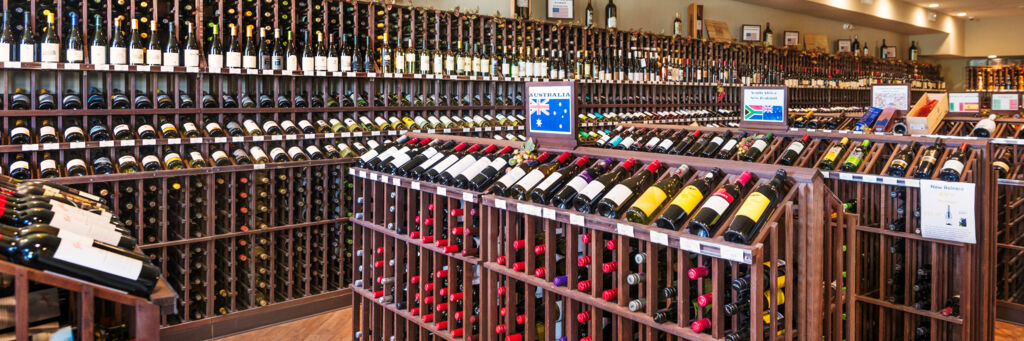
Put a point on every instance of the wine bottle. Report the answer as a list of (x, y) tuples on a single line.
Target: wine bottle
[(610, 15), (6, 38), (544, 190), (715, 144), (215, 55), (447, 177), (718, 206), (463, 179), (154, 53), (953, 168), (853, 161), (727, 150), (75, 257), (136, 50), (250, 54), (74, 46), (755, 210), (985, 127), (683, 205), (513, 176), (49, 47), (899, 164), (831, 159), (522, 188), (587, 199), (564, 197), (755, 150), (793, 151), (191, 48), (654, 197), (928, 160), (421, 171)]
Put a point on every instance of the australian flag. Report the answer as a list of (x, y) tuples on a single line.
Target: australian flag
[(550, 115)]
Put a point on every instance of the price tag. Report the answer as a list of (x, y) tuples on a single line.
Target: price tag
[(373, 176), (234, 71), (127, 143), (442, 191), (478, 129), (257, 138), (430, 131), (351, 172), (149, 142), (192, 69), (48, 66), (624, 229), (468, 197), (826, 130), (913, 183), (321, 73), (811, 130), (689, 245), (143, 68), (51, 146), (286, 72), (396, 182), (290, 137), (375, 133), (29, 147), (417, 75), (659, 238), (259, 166), (845, 176), (371, 74), (237, 138), (824, 174), (276, 137), (195, 140), (220, 139), (310, 136), (329, 135), (252, 71), (889, 181), (174, 141), (393, 133), (415, 185), (879, 133), (12, 65), (350, 74), (858, 131), (531, 210), (72, 66), (489, 129), (384, 178), (549, 213), (106, 143), (166, 69), (346, 135), (446, 131), (267, 72), (121, 67), (576, 219), (362, 174), (732, 253), (77, 145)]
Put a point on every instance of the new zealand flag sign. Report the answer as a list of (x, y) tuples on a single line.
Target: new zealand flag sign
[(550, 109)]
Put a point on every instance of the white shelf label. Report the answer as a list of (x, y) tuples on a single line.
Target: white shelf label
[(174, 141), (659, 238), (446, 131), (732, 253), (106, 143), (234, 71), (252, 71), (362, 174), (624, 229), (415, 185), (500, 204), (397, 182), (166, 69), (529, 209), (195, 140), (48, 66), (329, 135), (384, 178), (237, 138), (257, 138), (466, 196), (143, 68), (149, 142), (192, 69), (29, 147), (310, 136), (351, 172), (220, 140), (276, 137), (127, 143), (549, 213), (442, 191), (290, 137), (121, 67), (373, 176), (259, 166), (689, 245), (889, 181), (51, 146), (346, 135), (77, 145), (576, 219)]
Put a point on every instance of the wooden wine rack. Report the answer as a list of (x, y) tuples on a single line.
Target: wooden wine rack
[(789, 236)]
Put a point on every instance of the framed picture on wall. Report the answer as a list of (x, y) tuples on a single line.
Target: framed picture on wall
[(792, 38), (751, 32), (844, 45), (890, 52), (560, 9)]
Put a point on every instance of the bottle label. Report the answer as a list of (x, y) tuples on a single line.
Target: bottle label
[(250, 125), (653, 142), (127, 159), (512, 177), (154, 57), (308, 64), (249, 62), (74, 55), (470, 172), (170, 157), (719, 202), (285, 125), (593, 189), (295, 152), (365, 121), (196, 156), (424, 63), (754, 206), (51, 164), (312, 150), (759, 145), (688, 199), (47, 130), (543, 186), (460, 166), (579, 182), (320, 63), (269, 125), (136, 56), (19, 165), (27, 53), (148, 159), (665, 145), (618, 194), (833, 152), (145, 128), (49, 52), (277, 153), (233, 59), (218, 155), (5, 52), (345, 63), (76, 163), (531, 180), (953, 164), (445, 163), (214, 62), (796, 147), (191, 58), (650, 200), (729, 145), (80, 251), (627, 142), (171, 59), (332, 64), (612, 22), (855, 157), (292, 63), (431, 161)]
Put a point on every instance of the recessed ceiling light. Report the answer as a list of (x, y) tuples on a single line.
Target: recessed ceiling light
[(993, 57), (961, 14), (933, 5)]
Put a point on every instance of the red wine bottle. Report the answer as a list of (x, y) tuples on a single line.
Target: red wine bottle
[(755, 210), (685, 203), (545, 189), (719, 205), (564, 197), (588, 197)]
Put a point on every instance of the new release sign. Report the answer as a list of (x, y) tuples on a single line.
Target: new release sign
[(765, 107), (551, 111), (947, 211)]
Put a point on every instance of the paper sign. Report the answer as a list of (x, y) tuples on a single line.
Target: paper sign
[(764, 105), (624, 229), (468, 197), (560, 9), (415, 185), (551, 109), (964, 102), (1005, 102), (549, 213), (500, 204), (576, 219), (947, 211), (659, 238), (896, 96), (734, 254), (689, 245), (442, 191)]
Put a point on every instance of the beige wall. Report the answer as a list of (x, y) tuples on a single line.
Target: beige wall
[(995, 36)]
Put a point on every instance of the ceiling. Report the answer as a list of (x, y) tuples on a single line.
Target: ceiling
[(975, 8)]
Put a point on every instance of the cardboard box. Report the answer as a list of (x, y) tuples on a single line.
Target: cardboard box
[(925, 123)]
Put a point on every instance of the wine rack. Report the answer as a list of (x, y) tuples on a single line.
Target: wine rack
[(1008, 78), (416, 235), (876, 286)]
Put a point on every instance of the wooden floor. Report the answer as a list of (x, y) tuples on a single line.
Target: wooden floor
[(332, 325), (337, 325)]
